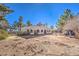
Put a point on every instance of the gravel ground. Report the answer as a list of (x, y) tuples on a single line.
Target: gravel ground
[(48, 45)]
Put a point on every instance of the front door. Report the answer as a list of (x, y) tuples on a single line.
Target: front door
[(44, 31)]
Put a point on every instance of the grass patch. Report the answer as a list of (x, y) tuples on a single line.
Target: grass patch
[(3, 34)]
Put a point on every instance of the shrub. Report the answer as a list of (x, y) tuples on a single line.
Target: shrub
[(72, 24), (19, 33), (3, 34)]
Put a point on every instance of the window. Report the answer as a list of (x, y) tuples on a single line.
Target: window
[(31, 30), (47, 30), (44, 31), (27, 30), (37, 30), (41, 30)]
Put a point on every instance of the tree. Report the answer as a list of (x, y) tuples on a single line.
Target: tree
[(72, 25), (40, 24), (51, 26), (4, 10), (15, 25), (46, 24), (20, 23), (68, 13), (28, 23), (4, 23), (63, 19)]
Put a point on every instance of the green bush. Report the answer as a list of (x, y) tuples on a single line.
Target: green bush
[(3, 34)]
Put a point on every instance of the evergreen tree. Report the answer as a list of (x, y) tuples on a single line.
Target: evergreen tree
[(15, 25), (4, 10), (62, 20), (20, 23), (28, 23)]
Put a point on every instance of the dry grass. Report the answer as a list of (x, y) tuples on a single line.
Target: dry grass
[(44, 45)]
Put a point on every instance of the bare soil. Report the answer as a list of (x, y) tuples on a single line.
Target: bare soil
[(48, 45)]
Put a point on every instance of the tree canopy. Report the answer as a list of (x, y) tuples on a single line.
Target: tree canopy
[(4, 10), (63, 18), (28, 23)]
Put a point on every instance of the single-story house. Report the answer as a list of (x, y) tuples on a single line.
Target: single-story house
[(36, 29)]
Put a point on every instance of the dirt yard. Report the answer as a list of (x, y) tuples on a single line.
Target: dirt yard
[(48, 45)]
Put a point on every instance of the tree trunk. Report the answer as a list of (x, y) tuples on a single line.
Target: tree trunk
[(19, 28)]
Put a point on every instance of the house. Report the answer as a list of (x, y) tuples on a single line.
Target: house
[(36, 29)]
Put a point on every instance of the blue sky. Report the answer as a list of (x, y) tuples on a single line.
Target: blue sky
[(39, 12)]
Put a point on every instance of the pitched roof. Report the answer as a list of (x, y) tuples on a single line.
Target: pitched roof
[(35, 27)]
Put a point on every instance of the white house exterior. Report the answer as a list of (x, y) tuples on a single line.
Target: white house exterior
[(36, 29)]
